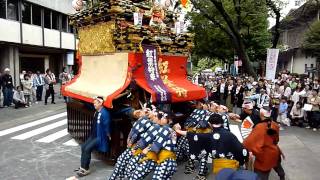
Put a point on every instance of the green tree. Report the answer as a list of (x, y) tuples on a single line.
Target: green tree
[(225, 27), (312, 40)]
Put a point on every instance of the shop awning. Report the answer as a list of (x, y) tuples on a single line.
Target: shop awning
[(173, 71), (105, 75)]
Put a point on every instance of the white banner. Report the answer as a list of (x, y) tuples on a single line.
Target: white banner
[(137, 19), (271, 65)]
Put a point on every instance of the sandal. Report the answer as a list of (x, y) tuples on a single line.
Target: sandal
[(199, 177), (82, 172)]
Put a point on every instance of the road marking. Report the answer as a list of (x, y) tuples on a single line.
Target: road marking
[(31, 124), (40, 130), (52, 137), (236, 131), (72, 142)]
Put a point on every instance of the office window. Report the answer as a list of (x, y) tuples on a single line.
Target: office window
[(36, 15), (12, 10), (3, 9), (70, 30), (26, 12), (64, 27), (55, 20), (47, 18)]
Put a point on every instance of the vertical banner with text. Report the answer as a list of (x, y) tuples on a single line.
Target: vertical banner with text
[(151, 71), (271, 65)]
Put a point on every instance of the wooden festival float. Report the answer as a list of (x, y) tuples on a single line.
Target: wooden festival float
[(129, 54)]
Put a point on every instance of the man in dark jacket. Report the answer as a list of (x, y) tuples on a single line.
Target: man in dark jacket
[(7, 88), (100, 136)]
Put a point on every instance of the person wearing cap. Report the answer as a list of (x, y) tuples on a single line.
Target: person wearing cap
[(221, 144), (7, 88), (262, 142), (100, 136)]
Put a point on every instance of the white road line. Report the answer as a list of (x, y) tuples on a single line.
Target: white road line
[(40, 130), (236, 131), (31, 124), (54, 136), (72, 142)]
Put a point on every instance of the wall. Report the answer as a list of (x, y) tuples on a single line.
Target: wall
[(63, 6), (299, 61), (9, 31), (32, 34)]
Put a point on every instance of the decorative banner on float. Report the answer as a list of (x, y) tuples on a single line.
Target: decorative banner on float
[(271, 65), (151, 71)]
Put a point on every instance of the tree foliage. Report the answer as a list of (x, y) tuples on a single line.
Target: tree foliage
[(312, 39), (224, 28)]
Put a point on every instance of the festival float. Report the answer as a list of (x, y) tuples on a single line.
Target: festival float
[(131, 52)]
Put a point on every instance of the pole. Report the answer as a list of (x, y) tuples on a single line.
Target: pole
[(291, 67)]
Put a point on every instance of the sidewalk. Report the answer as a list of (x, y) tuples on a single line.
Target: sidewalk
[(11, 115)]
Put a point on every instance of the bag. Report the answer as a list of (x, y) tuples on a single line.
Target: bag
[(222, 163)]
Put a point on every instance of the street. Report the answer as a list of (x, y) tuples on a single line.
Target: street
[(34, 145)]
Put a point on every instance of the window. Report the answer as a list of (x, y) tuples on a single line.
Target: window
[(12, 10), (36, 15), (3, 9), (64, 27), (26, 12), (55, 20), (47, 18), (70, 30)]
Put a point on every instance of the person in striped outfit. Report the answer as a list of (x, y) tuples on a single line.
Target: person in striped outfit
[(138, 129)]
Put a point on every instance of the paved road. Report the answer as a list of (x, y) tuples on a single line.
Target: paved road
[(34, 145)]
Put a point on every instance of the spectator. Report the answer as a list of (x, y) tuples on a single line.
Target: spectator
[(39, 82), (314, 100), (222, 89), (18, 98), (283, 110), (33, 96), (50, 81), (23, 72), (262, 99), (64, 78), (297, 114), (7, 88), (237, 97), (27, 88), (228, 94)]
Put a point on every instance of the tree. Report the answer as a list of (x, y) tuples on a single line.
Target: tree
[(243, 24), (312, 40)]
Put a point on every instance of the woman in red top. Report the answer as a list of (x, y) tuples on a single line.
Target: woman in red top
[(263, 143)]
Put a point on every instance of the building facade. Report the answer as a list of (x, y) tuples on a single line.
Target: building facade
[(293, 28), (35, 35)]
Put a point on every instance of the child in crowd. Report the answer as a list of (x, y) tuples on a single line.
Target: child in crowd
[(283, 110)]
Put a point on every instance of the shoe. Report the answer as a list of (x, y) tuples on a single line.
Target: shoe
[(5, 106), (53, 103), (45, 103), (308, 127), (37, 102), (200, 177), (281, 128), (314, 129), (82, 172), (189, 170), (76, 170)]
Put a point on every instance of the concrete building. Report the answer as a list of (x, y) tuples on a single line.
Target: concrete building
[(293, 29), (35, 35)]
